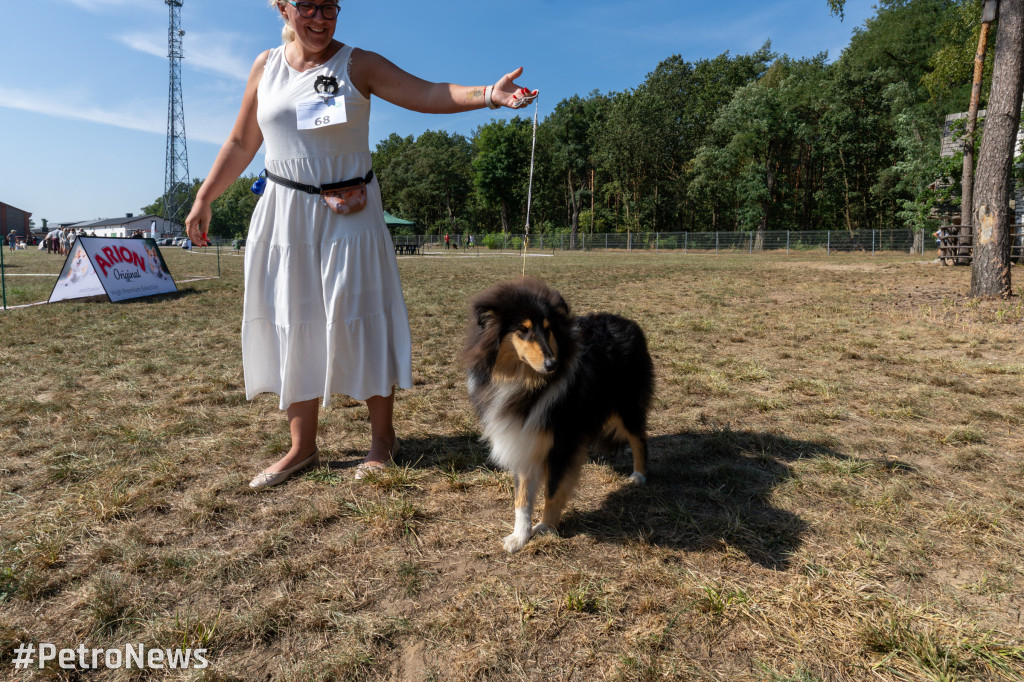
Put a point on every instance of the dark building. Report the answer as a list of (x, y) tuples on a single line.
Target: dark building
[(14, 219)]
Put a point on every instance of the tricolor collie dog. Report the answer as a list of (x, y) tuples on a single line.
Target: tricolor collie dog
[(546, 385)]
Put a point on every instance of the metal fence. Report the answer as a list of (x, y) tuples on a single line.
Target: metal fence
[(782, 241), (956, 243)]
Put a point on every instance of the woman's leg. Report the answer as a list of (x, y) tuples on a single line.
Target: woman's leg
[(302, 420), (382, 429)]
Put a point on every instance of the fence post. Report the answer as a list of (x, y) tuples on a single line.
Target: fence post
[(3, 275), (751, 252), (657, 240), (605, 241), (872, 242), (716, 242), (686, 241), (828, 243), (787, 242)]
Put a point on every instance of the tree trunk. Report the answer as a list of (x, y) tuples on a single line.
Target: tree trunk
[(967, 184), (769, 185), (504, 217), (451, 213), (846, 194), (990, 265), (574, 206), (591, 201)]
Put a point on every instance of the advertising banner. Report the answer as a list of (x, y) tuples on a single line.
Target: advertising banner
[(121, 268)]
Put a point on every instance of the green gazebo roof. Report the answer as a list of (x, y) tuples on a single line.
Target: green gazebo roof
[(392, 220)]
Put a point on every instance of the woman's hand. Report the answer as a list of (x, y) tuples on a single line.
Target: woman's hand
[(506, 93), (198, 222)]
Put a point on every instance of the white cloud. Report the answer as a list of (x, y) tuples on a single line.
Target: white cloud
[(151, 44), (100, 5), (217, 53), (149, 117), (44, 103), (209, 52)]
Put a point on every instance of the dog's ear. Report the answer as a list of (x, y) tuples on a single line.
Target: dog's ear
[(561, 306), (485, 317)]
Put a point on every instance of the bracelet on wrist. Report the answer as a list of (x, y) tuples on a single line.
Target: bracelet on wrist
[(487, 97)]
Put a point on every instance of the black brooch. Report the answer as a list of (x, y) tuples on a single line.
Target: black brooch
[(326, 86)]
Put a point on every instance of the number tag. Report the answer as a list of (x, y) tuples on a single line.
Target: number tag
[(320, 114)]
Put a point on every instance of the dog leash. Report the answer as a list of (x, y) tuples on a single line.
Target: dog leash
[(529, 191)]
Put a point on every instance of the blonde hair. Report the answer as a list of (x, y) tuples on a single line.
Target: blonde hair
[(287, 34)]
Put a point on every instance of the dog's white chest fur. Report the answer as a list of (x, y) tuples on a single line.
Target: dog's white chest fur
[(518, 445)]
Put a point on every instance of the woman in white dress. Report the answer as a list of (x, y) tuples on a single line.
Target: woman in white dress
[(323, 310)]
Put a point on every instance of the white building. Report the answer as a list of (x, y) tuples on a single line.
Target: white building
[(129, 225)]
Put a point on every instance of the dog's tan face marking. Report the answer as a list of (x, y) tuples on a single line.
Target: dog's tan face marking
[(528, 345), (535, 347), (509, 367)]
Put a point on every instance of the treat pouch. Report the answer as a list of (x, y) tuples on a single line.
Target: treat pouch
[(346, 199)]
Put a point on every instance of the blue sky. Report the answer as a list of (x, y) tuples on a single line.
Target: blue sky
[(83, 91)]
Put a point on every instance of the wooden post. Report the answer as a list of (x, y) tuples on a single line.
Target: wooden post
[(988, 15)]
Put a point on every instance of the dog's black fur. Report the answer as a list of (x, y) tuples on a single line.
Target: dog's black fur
[(546, 385)]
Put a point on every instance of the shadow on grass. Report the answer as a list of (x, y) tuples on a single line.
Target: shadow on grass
[(448, 453), (710, 490), (706, 490), (181, 293)]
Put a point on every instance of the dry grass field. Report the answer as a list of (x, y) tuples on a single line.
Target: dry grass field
[(836, 488)]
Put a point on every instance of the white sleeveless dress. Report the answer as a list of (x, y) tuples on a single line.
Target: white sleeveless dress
[(323, 311)]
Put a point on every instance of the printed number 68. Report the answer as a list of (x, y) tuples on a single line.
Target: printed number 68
[(322, 120)]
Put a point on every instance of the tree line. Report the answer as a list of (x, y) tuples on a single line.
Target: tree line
[(757, 141)]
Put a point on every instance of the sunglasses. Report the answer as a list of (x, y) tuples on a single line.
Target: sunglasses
[(308, 10)]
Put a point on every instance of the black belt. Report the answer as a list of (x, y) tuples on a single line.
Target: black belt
[(313, 189)]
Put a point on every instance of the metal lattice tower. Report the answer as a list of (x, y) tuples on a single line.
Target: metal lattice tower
[(176, 179)]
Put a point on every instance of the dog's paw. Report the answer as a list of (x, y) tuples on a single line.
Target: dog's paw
[(542, 528), (637, 477), (513, 543)]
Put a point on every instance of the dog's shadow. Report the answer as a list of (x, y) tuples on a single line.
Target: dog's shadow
[(706, 491), (710, 491)]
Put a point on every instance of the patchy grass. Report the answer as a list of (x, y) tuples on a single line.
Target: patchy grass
[(835, 488)]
